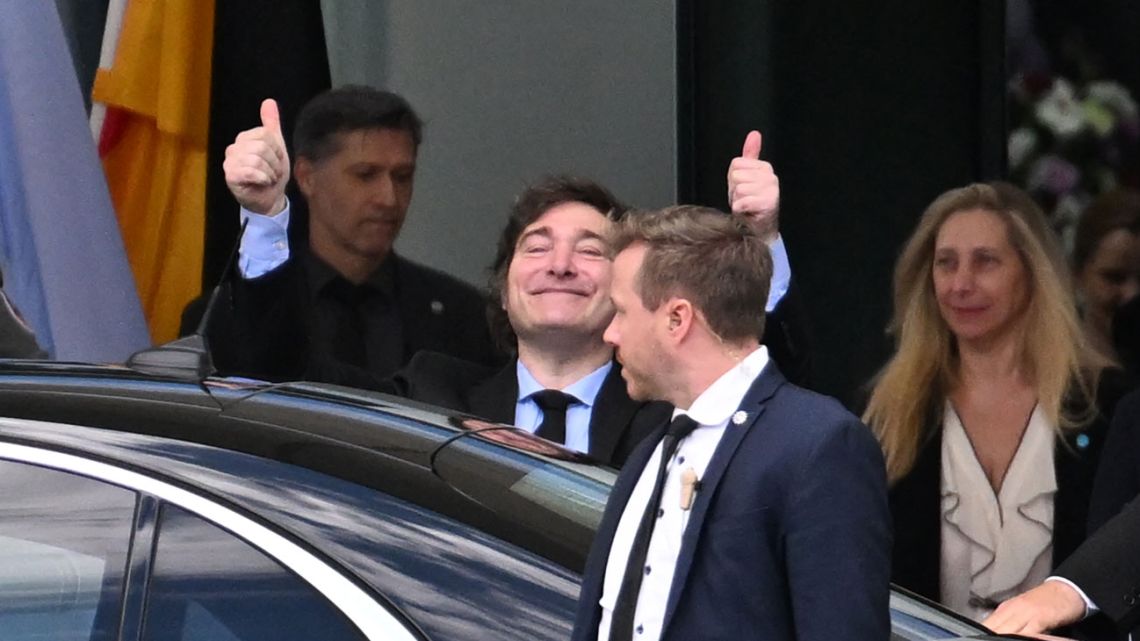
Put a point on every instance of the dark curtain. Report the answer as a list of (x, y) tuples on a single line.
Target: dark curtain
[(868, 111)]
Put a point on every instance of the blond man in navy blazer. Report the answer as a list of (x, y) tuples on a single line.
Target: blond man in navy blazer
[(772, 521)]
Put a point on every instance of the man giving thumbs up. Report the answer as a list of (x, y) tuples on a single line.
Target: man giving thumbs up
[(346, 308)]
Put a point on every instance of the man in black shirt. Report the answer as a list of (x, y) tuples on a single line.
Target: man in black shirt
[(347, 308)]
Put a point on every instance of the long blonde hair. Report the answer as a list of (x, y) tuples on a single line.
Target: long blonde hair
[(914, 384)]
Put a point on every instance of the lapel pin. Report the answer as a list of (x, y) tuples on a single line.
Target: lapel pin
[(739, 417), (436, 307), (1082, 441)]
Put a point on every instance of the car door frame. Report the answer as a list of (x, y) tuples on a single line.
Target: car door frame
[(368, 611)]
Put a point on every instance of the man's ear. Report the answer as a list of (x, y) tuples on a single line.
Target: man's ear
[(678, 317), (303, 174)]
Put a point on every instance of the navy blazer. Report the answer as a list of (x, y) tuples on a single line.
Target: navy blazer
[(789, 537)]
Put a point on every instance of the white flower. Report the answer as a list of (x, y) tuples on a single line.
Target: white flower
[(1115, 96), (1060, 111), (1022, 143)]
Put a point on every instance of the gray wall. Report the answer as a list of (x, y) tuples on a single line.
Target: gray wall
[(512, 90)]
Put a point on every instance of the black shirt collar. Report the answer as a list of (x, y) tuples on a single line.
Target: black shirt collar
[(321, 275)]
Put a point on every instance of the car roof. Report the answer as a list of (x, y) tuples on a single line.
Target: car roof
[(548, 506)]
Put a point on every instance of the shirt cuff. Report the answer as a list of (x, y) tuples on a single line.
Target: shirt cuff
[(1090, 607), (781, 273), (265, 244)]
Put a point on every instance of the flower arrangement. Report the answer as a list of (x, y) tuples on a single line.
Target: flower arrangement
[(1068, 142)]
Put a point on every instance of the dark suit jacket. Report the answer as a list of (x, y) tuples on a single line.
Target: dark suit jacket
[(789, 537), (261, 327), (1107, 566), (617, 423), (1107, 569), (916, 498), (1126, 335), (1118, 475)]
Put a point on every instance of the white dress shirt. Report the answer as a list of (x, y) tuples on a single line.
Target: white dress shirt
[(712, 410), (995, 546)]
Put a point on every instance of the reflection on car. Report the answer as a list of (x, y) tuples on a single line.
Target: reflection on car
[(141, 506)]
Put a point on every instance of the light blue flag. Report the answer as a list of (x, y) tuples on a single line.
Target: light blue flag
[(60, 247)]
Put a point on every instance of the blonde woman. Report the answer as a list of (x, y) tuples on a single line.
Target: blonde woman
[(988, 411)]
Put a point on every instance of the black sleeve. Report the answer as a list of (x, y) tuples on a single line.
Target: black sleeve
[(1118, 471), (1126, 335), (1107, 568), (192, 314), (786, 334), (258, 327)]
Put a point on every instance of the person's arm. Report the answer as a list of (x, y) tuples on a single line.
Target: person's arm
[(1052, 604), (257, 165), (781, 274), (754, 193), (265, 243), (1106, 568), (258, 326), (754, 189), (1117, 478)]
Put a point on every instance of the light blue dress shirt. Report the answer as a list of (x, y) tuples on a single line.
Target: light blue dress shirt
[(528, 416)]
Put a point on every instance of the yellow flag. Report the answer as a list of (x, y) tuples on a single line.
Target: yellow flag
[(153, 148)]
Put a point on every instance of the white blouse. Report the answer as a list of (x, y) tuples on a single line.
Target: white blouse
[(995, 546)]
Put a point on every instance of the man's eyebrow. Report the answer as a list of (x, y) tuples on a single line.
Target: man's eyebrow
[(538, 231), (546, 232), (589, 234), (372, 164)]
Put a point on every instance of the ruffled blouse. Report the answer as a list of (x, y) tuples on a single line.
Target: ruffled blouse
[(995, 546)]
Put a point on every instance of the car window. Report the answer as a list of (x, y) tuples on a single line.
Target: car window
[(64, 541), (209, 585)]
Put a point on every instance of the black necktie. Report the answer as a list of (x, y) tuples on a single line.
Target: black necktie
[(621, 625), (553, 404)]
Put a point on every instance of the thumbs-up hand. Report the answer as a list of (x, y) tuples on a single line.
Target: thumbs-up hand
[(257, 164), (753, 189)]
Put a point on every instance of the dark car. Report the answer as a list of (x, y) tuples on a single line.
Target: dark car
[(135, 506)]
